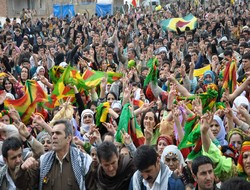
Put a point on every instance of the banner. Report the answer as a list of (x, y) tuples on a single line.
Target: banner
[(104, 9), (61, 11)]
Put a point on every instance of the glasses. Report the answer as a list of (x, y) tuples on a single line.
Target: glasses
[(87, 116)]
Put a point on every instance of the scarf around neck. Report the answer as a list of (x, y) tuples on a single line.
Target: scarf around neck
[(122, 178)]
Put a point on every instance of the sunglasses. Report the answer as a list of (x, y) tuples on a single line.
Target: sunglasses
[(87, 115)]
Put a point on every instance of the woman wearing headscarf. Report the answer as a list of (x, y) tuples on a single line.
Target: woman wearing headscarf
[(243, 166), (45, 139), (162, 142), (241, 103), (236, 137), (172, 157), (87, 119), (218, 130), (40, 78), (209, 77)]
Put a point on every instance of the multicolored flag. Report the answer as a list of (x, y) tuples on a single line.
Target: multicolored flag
[(126, 125), (153, 73), (55, 73), (192, 137), (138, 103), (102, 113), (229, 77), (26, 105), (61, 91), (208, 98), (93, 78), (189, 21)]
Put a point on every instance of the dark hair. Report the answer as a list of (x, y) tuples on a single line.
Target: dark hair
[(106, 150), (143, 116), (244, 44), (144, 157), (246, 56), (68, 126), (11, 143), (108, 134), (235, 183), (228, 52), (112, 94), (28, 74), (197, 162), (12, 91), (195, 51)]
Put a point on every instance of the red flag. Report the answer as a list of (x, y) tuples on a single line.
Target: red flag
[(134, 3)]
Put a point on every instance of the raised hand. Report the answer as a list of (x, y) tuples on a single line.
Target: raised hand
[(145, 107), (127, 93), (104, 82), (206, 121), (176, 113), (22, 129), (148, 132), (11, 78), (225, 96), (30, 163), (2, 96), (126, 137), (109, 127), (77, 141), (197, 106), (43, 79), (171, 96), (37, 119), (13, 113)]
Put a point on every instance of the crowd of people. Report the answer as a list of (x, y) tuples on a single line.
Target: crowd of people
[(178, 118)]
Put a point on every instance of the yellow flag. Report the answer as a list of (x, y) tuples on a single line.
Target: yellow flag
[(201, 71)]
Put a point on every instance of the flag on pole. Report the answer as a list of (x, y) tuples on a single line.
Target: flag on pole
[(26, 105), (126, 125), (189, 21)]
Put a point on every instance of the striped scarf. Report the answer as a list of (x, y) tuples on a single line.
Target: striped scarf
[(77, 161)]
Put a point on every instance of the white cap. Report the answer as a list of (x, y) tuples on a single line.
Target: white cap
[(63, 64), (116, 104)]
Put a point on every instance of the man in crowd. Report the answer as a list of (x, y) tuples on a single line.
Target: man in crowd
[(114, 171), (63, 168), (203, 173), (151, 172)]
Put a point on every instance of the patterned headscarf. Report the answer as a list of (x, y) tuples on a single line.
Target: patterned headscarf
[(235, 131), (172, 149), (167, 139), (240, 168)]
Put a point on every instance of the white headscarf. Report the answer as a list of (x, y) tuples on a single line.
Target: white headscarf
[(85, 127), (39, 68), (173, 149), (241, 100)]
